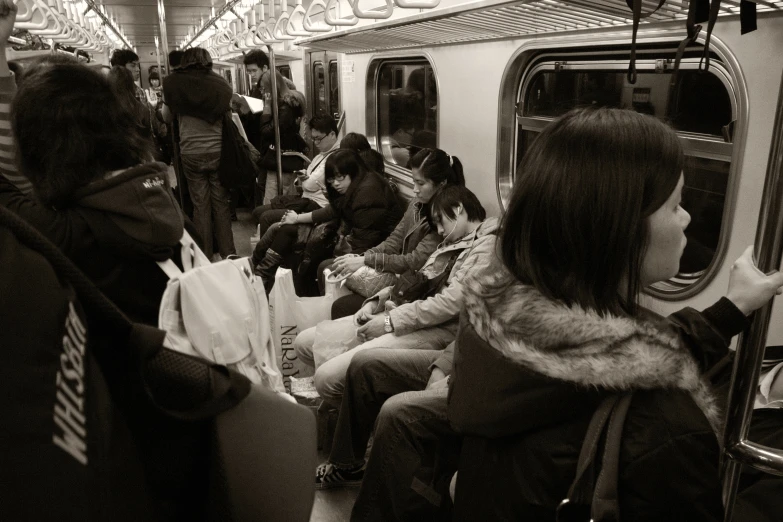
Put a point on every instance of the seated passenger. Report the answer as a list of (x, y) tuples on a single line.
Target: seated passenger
[(358, 197), (355, 142), (556, 327), (323, 131), (412, 242), (290, 110), (99, 197), (425, 316)]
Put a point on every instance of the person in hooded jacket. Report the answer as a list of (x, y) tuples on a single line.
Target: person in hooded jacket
[(360, 198), (200, 98), (98, 195), (416, 316), (555, 325)]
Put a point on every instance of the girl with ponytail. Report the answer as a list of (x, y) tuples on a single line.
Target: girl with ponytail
[(412, 242)]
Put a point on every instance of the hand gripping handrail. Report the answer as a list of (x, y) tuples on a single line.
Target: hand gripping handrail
[(373, 15), (315, 27), (291, 28), (334, 5), (750, 350), (417, 4)]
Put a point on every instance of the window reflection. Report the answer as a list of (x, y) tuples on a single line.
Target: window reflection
[(408, 109), (334, 89), (319, 89), (698, 106)]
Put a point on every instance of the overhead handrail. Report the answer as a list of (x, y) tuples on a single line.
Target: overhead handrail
[(334, 5), (250, 18), (291, 29), (417, 4), (38, 20), (372, 15), (768, 248), (268, 34), (315, 27)]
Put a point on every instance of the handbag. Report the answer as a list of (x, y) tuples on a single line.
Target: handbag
[(238, 158), (414, 286), (367, 281), (590, 499)]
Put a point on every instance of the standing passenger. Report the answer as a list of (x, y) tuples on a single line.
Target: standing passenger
[(200, 98), (130, 60), (556, 327)]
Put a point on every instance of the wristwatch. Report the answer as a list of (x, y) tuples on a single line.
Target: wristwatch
[(387, 324)]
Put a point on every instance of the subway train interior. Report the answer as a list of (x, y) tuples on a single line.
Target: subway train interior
[(481, 80)]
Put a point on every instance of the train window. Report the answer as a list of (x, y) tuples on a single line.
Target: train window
[(701, 107), (319, 89), (334, 89), (285, 70), (406, 96)]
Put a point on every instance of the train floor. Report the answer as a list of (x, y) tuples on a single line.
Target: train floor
[(332, 505)]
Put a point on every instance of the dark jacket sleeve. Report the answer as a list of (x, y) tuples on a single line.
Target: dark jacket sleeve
[(288, 124), (61, 228), (685, 472), (324, 214), (708, 334)]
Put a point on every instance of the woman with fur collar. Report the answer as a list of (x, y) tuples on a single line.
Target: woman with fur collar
[(554, 326)]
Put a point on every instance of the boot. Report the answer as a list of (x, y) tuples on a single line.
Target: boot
[(267, 267)]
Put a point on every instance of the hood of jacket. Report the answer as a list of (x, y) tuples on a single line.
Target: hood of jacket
[(134, 211), (579, 349), (439, 259), (199, 93)]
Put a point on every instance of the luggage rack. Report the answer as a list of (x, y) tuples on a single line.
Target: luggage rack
[(502, 19)]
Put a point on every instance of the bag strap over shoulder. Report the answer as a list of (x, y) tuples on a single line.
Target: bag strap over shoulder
[(586, 495), (143, 343), (192, 257)]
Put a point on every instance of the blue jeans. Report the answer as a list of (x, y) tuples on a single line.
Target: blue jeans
[(330, 376), (211, 202), (414, 451)]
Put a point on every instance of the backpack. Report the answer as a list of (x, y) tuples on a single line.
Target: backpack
[(219, 312), (107, 424)]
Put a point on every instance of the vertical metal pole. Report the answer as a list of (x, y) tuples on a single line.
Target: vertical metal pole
[(157, 55), (276, 119), (750, 350), (164, 37)]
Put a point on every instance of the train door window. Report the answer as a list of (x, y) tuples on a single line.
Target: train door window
[(285, 70), (334, 90), (406, 97), (702, 109), (319, 89)]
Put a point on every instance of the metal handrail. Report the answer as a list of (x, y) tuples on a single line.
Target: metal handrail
[(750, 350), (334, 5), (315, 27), (385, 13), (276, 119)]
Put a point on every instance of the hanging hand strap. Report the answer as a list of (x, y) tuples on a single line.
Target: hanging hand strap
[(636, 6), (714, 12)]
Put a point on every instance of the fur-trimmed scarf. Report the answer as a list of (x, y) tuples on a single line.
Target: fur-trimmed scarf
[(579, 346)]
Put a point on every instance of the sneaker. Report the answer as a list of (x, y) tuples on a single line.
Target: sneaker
[(328, 475)]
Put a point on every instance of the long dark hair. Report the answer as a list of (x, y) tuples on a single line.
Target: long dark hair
[(355, 142), (437, 166), (121, 81), (196, 58), (71, 130), (349, 163), (576, 227)]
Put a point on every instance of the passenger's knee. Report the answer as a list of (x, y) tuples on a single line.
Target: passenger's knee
[(329, 385), (303, 346), (393, 412)]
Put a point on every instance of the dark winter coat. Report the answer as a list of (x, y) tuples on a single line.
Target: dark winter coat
[(528, 375), (369, 212), (115, 230)]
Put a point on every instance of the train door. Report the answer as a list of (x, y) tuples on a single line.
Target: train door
[(323, 86)]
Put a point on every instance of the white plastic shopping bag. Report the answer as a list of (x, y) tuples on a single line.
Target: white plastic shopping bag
[(282, 301), (333, 338), (312, 310)]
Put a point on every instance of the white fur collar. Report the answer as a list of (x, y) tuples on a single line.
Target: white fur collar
[(574, 345)]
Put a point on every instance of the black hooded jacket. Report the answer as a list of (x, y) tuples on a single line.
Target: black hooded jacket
[(115, 230)]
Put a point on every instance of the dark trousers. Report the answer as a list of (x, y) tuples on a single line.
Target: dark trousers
[(414, 451), (210, 202)]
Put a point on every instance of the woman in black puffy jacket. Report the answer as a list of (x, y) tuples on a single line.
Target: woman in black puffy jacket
[(360, 198)]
